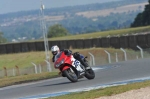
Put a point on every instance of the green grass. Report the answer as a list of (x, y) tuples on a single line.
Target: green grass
[(119, 32), (104, 91), (7, 81), (23, 60)]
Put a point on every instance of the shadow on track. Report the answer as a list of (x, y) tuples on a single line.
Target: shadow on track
[(62, 83)]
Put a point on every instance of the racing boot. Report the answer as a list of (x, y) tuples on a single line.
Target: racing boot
[(85, 64), (83, 61)]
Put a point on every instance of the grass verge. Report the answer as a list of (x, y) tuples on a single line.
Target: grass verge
[(7, 81), (119, 32), (23, 60), (104, 92)]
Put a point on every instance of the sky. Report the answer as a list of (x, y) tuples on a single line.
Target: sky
[(7, 6)]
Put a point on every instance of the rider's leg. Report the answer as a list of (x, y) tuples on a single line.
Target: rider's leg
[(78, 57)]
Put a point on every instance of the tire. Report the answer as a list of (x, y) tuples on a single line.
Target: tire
[(90, 74), (71, 75)]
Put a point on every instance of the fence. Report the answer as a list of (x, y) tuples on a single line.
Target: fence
[(95, 58), (16, 71), (130, 41)]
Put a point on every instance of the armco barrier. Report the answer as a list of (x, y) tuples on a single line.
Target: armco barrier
[(3, 49), (96, 42), (63, 44), (114, 42), (142, 41), (87, 43), (40, 46), (71, 43), (52, 43), (132, 40), (148, 40), (24, 47), (105, 42), (79, 43), (17, 47), (128, 41), (31, 46), (9, 48), (123, 40)]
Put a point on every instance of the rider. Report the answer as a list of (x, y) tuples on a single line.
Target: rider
[(55, 49)]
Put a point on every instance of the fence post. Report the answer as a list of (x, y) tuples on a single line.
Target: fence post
[(137, 57), (109, 59), (35, 67), (93, 59), (116, 57), (125, 55), (48, 66), (17, 68), (13, 72), (40, 70), (5, 71), (90, 61), (140, 50)]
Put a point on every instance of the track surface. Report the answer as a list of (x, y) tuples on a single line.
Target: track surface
[(105, 74)]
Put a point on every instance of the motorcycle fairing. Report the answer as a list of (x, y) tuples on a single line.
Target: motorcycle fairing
[(76, 64), (68, 61)]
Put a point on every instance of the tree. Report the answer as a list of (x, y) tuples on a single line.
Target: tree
[(56, 31), (2, 39), (142, 19)]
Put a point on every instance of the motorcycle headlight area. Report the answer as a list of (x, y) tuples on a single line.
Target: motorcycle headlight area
[(60, 63)]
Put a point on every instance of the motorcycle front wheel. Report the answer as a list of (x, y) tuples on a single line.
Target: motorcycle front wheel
[(90, 74), (71, 75)]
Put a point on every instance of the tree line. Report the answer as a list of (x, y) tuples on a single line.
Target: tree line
[(143, 18), (2, 39), (74, 24)]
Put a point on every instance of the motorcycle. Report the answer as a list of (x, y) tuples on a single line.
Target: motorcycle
[(71, 68)]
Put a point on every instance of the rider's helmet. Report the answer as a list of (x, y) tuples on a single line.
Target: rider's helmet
[(55, 49)]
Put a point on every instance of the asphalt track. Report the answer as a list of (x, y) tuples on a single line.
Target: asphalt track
[(105, 75)]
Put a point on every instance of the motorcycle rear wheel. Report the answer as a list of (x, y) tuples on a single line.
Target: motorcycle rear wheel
[(71, 75)]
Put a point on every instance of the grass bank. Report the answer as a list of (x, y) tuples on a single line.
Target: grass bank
[(7, 81), (23, 60), (118, 32), (104, 91)]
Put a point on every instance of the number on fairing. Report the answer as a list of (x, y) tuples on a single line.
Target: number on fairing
[(76, 63)]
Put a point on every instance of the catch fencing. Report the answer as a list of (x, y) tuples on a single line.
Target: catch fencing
[(103, 56)]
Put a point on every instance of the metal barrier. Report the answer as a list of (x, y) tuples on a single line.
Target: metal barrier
[(128, 41)]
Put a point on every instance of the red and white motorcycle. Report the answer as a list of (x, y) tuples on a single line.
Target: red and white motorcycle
[(72, 68)]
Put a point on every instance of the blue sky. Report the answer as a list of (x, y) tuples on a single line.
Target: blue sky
[(7, 6)]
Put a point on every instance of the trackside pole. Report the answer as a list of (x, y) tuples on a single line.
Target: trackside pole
[(109, 59), (142, 56), (93, 59), (116, 57), (48, 66), (44, 30), (35, 67), (40, 69), (125, 54)]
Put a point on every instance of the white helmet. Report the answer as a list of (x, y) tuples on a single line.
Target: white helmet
[(55, 49)]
